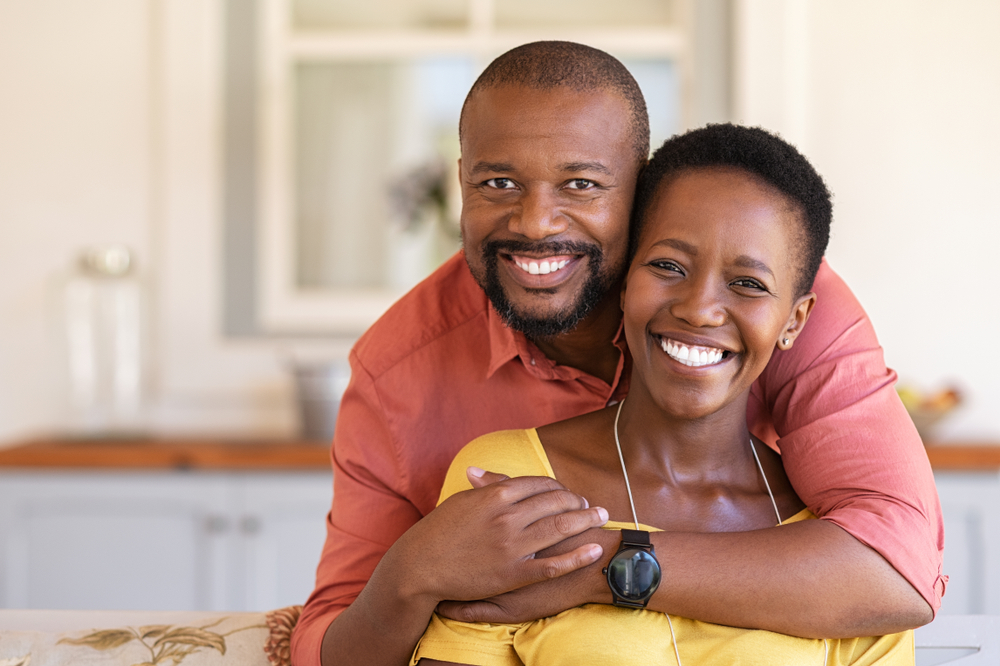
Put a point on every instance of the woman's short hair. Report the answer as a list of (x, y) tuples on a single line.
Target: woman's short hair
[(759, 153)]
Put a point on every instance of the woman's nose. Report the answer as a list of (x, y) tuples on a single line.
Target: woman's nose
[(537, 216), (700, 305)]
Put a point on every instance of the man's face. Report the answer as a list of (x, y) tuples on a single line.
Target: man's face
[(548, 178)]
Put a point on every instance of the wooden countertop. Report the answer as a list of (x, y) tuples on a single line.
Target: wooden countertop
[(169, 453), (231, 454), (970, 457)]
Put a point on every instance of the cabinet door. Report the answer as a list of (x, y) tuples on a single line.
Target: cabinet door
[(970, 502), (113, 541), (282, 530)]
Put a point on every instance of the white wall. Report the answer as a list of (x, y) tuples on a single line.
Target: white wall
[(897, 103), (109, 132)]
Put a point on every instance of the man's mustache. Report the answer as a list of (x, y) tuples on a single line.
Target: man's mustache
[(540, 248)]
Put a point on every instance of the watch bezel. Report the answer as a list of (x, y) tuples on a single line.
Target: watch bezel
[(633, 541)]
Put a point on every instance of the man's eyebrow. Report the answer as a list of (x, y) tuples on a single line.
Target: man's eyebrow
[(495, 167), (749, 262), (576, 167)]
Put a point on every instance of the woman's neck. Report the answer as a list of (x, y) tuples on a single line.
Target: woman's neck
[(714, 447)]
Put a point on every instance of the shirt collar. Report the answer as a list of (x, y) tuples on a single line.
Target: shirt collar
[(506, 344)]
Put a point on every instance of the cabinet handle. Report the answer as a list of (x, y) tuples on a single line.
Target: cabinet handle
[(250, 524)]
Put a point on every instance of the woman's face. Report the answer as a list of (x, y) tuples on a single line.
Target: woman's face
[(711, 290)]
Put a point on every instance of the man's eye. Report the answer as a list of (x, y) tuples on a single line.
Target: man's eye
[(581, 184), (500, 183)]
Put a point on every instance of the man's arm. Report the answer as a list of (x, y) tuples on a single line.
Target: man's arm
[(479, 543), (808, 579), (870, 565)]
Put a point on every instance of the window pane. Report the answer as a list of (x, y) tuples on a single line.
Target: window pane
[(362, 131), (658, 80), (373, 14), (583, 13)]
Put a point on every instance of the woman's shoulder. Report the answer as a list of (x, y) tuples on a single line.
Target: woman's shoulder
[(509, 452)]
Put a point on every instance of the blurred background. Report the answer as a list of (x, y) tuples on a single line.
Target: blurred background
[(202, 199), (280, 170)]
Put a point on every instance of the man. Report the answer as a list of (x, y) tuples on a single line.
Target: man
[(525, 330)]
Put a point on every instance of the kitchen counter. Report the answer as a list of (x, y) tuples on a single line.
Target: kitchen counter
[(207, 454), (248, 454)]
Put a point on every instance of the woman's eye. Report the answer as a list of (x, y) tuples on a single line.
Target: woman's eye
[(500, 183), (581, 184), (666, 265), (749, 283)]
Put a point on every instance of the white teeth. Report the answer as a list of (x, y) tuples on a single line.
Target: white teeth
[(691, 356), (541, 267)]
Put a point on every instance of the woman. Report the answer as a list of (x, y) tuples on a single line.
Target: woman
[(730, 225)]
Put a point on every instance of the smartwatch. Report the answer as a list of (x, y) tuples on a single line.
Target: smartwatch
[(633, 573)]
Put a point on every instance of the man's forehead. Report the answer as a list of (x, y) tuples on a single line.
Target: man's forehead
[(580, 126)]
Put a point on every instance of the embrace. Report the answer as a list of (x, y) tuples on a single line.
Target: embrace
[(634, 334)]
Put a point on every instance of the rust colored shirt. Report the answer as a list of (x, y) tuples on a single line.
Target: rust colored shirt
[(440, 369)]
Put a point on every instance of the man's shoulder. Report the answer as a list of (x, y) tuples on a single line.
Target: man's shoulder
[(447, 300)]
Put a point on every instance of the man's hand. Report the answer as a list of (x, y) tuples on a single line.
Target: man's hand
[(547, 597), (483, 542), (477, 544)]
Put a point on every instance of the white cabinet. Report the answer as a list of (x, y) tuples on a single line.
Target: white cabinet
[(970, 502), (160, 541)]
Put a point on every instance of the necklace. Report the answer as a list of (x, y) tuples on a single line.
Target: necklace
[(635, 519), (628, 487)]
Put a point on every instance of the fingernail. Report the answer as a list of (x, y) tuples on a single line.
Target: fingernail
[(596, 551), (603, 513), (476, 472), (586, 504)]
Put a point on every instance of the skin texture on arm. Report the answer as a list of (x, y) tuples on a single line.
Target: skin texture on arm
[(763, 579)]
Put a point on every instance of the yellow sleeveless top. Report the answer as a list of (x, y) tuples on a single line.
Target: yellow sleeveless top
[(603, 634)]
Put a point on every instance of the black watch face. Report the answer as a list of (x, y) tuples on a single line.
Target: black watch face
[(634, 574)]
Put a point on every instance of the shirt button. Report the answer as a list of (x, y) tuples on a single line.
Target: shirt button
[(612, 403), (532, 361)]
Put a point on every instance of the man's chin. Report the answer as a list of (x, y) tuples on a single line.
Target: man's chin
[(546, 319)]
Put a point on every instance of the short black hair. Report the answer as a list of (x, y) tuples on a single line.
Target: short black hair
[(759, 153), (546, 65)]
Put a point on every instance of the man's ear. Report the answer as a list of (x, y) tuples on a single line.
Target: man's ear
[(797, 320)]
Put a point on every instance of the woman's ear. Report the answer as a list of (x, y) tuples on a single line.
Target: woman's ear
[(797, 320)]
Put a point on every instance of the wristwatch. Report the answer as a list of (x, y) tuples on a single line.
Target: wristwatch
[(633, 573)]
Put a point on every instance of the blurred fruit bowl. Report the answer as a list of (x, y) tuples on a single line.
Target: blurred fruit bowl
[(928, 409)]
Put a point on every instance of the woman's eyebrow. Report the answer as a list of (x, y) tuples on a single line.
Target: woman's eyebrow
[(749, 262), (683, 246)]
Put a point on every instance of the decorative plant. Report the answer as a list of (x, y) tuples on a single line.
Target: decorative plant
[(421, 190), (166, 644)]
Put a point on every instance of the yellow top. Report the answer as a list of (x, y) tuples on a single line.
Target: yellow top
[(603, 634)]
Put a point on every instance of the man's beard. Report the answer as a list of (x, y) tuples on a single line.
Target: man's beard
[(599, 280)]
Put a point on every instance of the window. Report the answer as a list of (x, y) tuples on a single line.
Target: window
[(358, 122)]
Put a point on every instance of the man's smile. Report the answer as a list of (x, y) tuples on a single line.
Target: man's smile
[(542, 266)]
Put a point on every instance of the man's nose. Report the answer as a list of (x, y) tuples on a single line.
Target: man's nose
[(699, 304), (537, 216)]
